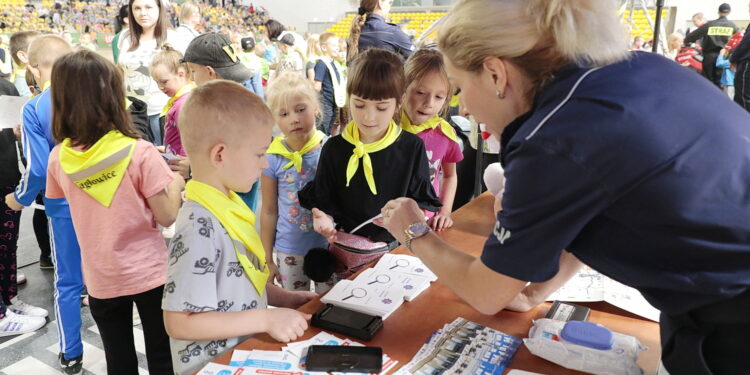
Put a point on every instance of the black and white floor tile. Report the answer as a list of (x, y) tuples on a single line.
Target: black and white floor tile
[(36, 353)]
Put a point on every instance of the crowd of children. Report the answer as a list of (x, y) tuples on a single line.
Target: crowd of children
[(109, 193)]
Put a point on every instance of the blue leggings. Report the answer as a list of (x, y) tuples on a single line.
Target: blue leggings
[(66, 256)]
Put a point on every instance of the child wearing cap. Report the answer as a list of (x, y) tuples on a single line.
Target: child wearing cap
[(217, 286), (209, 57), (254, 63)]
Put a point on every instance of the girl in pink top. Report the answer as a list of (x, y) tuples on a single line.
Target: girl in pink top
[(118, 188), (172, 77), (425, 98)]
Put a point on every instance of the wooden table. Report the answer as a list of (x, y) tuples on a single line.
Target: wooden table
[(406, 330)]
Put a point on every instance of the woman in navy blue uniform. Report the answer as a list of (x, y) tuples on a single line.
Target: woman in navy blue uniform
[(369, 30), (601, 159)]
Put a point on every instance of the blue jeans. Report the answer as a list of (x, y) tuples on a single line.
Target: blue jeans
[(255, 84), (155, 127), (328, 111)]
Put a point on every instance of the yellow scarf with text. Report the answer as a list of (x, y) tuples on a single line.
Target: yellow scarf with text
[(99, 170), (434, 122), (182, 91), (295, 157), (239, 222), (362, 151)]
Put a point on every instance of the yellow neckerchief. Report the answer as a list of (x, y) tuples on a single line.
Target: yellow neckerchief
[(454, 101), (362, 151), (239, 222), (98, 171), (182, 91), (295, 157), (17, 72), (434, 122)]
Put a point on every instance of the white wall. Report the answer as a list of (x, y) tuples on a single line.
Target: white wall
[(297, 13)]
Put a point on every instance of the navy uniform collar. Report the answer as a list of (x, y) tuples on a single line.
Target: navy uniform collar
[(544, 102)]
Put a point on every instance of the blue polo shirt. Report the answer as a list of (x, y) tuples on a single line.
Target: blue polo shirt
[(376, 33), (624, 167)]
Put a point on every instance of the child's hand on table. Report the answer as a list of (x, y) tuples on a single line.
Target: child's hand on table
[(286, 325), (440, 222)]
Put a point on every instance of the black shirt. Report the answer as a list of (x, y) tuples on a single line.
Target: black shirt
[(9, 174), (715, 34), (400, 170)]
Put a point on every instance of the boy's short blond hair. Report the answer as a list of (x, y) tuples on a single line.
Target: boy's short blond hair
[(46, 49), (220, 111)]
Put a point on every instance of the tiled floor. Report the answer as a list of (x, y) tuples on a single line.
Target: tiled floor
[(36, 353)]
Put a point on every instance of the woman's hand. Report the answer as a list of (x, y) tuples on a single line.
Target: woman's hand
[(398, 215), (323, 224)]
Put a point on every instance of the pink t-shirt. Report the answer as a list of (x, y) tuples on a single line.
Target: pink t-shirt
[(440, 149), (171, 131), (122, 249)]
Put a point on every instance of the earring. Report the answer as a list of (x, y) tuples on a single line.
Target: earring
[(499, 94)]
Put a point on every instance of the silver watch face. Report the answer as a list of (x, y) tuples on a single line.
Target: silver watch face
[(419, 229)]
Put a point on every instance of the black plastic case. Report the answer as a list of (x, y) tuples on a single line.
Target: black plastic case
[(360, 359), (347, 322), (566, 311)]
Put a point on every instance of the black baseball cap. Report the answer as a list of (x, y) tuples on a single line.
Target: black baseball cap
[(725, 8), (215, 50), (247, 43)]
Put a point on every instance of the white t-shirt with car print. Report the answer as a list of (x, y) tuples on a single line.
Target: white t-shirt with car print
[(204, 275)]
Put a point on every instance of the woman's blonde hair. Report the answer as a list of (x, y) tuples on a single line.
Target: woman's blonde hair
[(287, 86), (424, 62), (539, 36), (170, 58)]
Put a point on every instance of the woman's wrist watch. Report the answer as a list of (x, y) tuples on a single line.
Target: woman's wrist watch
[(415, 231)]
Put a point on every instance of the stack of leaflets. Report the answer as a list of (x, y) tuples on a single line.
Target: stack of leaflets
[(379, 291), (374, 299), (588, 285), (289, 361), (463, 347)]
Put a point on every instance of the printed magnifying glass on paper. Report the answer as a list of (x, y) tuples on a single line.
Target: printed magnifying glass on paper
[(400, 263), (381, 279), (357, 293)]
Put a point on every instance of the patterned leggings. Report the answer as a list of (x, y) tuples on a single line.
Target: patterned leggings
[(292, 276), (9, 221)]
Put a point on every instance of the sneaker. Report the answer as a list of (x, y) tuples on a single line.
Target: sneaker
[(71, 366), (15, 324), (23, 308), (20, 278), (45, 263)]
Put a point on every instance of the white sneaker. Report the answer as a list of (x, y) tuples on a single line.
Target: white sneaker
[(20, 278), (14, 324), (23, 308)]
